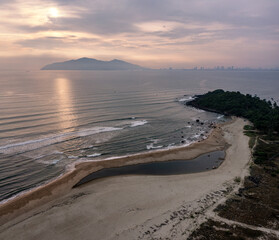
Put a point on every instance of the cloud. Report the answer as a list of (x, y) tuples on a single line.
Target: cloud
[(44, 43), (141, 27)]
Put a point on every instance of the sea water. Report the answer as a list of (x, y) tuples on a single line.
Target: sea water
[(51, 119)]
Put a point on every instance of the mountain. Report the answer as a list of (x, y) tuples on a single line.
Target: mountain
[(92, 64)]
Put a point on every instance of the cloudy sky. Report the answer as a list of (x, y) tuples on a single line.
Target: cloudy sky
[(152, 33)]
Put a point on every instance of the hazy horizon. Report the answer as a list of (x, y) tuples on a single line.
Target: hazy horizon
[(153, 34)]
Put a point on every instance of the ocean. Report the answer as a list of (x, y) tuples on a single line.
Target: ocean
[(51, 119)]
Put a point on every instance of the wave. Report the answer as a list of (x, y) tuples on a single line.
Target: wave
[(198, 110), (138, 123), (94, 155), (151, 145), (70, 167), (220, 117), (56, 138), (186, 99), (51, 162)]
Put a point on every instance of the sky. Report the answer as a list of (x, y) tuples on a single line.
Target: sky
[(151, 33)]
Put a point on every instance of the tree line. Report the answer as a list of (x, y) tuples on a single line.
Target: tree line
[(262, 113)]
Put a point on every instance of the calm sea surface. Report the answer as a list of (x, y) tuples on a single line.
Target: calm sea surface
[(51, 119)]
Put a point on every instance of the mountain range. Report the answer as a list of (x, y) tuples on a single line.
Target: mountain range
[(92, 64)]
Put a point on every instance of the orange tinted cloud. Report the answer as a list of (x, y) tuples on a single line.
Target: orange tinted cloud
[(152, 33)]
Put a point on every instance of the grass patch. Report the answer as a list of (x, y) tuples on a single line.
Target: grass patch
[(237, 179), (265, 153), (250, 134), (274, 137), (252, 141), (248, 127)]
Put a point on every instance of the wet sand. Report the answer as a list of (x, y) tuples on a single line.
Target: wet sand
[(123, 207)]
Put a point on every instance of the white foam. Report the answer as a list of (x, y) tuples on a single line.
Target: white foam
[(90, 146), (151, 146), (186, 99), (221, 116), (57, 152), (55, 161), (138, 123), (198, 110), (40, 157), (56, 138), (94, 155), (91, 131), (171, 145), (72, 157), (188, 126), (196, 136), (187, 142), (50, 162)]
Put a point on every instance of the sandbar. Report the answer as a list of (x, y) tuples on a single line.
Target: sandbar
[(130, 206)]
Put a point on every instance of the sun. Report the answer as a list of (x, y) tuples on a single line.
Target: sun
[(53, 12)]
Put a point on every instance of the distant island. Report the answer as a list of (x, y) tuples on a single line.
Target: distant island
[(92, 64)]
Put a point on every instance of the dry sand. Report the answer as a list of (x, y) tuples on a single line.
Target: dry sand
[(130, 207)]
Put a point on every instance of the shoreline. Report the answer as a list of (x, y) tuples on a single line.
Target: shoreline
[(63, 184), (136, 207), (72, 167)]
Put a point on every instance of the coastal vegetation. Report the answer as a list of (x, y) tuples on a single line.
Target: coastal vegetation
[(256, 203), (262, 113)]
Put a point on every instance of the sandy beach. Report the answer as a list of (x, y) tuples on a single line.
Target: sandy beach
[(131, 207)]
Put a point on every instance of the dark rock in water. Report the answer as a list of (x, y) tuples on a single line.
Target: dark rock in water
[(197, 120), (188, 122), (182, 141), (202, 123), (182, 136)]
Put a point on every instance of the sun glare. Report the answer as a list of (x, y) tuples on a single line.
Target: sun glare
[(53, 12)]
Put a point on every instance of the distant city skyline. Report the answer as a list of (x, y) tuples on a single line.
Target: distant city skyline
[(151, 33)]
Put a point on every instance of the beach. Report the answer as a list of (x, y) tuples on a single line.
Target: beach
[(131, 206)]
